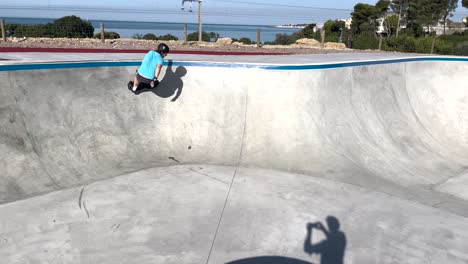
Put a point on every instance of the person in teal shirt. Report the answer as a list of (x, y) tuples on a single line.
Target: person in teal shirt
[(150, 68)]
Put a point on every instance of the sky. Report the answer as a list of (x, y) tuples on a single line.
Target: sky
[(247, 12)]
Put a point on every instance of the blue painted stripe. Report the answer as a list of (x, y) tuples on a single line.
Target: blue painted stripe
[(73, 65)]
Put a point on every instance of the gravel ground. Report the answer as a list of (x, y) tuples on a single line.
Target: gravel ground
[(174, 45)]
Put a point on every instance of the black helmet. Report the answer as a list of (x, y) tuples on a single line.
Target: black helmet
[(162, 48)]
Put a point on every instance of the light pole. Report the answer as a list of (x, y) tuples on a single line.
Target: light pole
[(200, 20), (399, 18)]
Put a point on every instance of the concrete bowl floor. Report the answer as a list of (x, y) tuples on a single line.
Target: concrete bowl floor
[(171, 214)]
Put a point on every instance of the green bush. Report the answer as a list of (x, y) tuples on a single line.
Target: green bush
[(11, 28), (401, 44), (137, 36), (246, 41), (461, 49), (107, 35), (214, 36), (194, 36), (65, 27), (33, 31), (424, 44), (407, 43), (444, 47), (150, 36), (457, 37), (168, 37), (284, 39), (456, 44), (365, 41), (206, 36)]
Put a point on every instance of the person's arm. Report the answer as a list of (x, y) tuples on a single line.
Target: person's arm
[(324, 230), (158, 71), (308, 248)]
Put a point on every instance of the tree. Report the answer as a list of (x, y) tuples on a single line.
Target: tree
[(392, 23), (365, 17), (381, 7), (465, 5), (333, 25), (401, 8), (334, 30), (450, 6), (426, 12), (362, 18), (72, 27), (65, 27), (400, 5), (308, 31)]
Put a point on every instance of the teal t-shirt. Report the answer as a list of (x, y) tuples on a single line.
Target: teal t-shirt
[(149, 64)]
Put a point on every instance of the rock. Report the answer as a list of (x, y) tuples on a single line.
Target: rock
[(224, 41), (277, 46), (308, 42), (205, 44), (334, 45), (23, 39), (240, 44)]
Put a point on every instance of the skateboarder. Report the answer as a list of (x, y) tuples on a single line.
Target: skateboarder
[(150, 68)]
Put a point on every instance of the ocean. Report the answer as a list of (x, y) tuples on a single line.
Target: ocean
[(127, 29)]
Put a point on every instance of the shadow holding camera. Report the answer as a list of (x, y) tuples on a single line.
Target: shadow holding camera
[(170, 85), (332, 248)]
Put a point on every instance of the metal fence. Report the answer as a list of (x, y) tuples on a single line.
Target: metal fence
[(84, 29)]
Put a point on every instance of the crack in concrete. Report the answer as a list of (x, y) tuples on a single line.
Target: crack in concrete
[(209, 176)]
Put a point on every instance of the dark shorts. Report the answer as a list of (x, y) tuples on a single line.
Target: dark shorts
[(142, 79)]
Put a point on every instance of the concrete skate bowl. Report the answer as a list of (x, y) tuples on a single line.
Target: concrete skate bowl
[(387, 135)]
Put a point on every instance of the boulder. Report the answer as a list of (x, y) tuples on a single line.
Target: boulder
[(308, 42), (334, 45), (240, 44), (224, 41)]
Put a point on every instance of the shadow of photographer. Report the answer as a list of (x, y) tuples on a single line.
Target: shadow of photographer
[(332, 248)]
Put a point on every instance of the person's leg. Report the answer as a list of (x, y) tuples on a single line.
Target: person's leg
[(135, 84)]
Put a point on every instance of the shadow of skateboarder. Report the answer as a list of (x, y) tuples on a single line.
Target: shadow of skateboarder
[(170, 85)]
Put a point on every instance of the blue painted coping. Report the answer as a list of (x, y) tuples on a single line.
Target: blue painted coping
[(47, 66)]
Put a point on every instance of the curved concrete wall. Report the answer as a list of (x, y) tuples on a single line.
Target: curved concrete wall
[(402, 124)]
